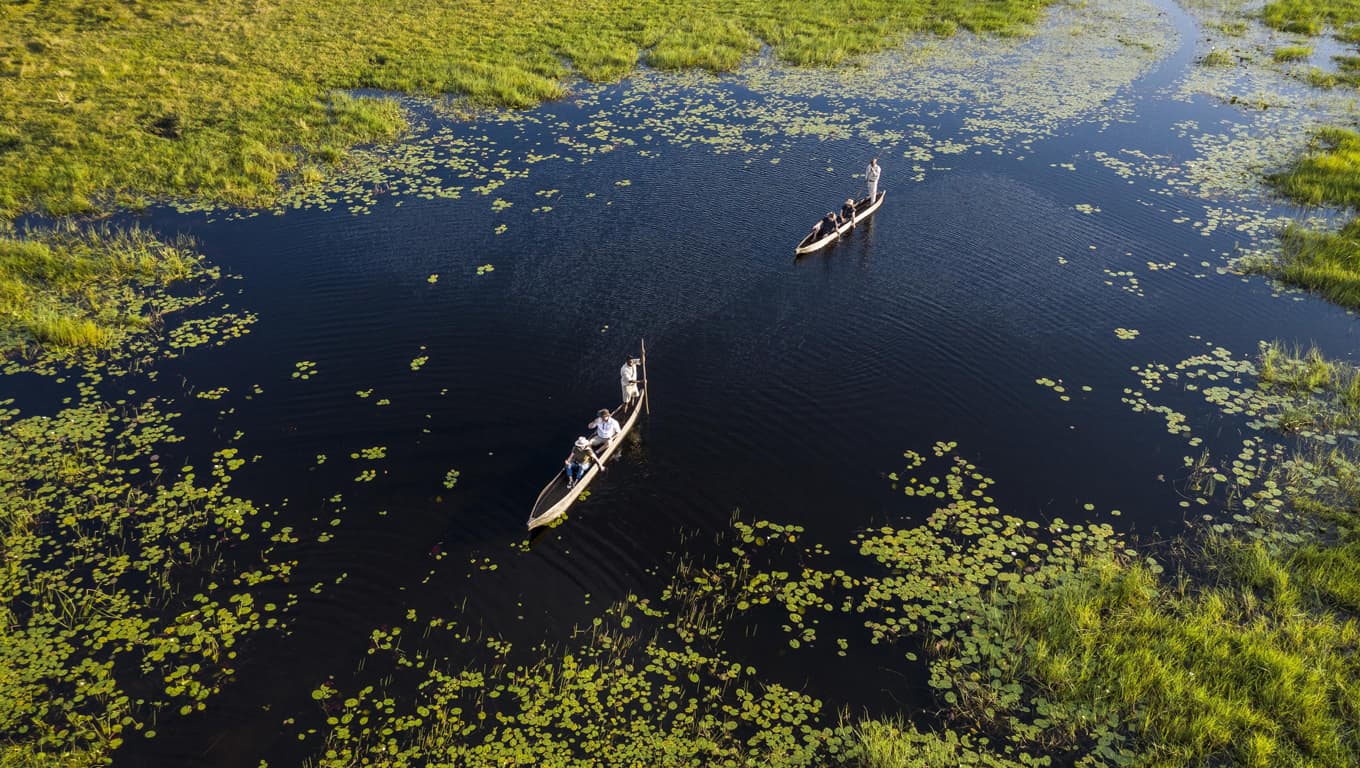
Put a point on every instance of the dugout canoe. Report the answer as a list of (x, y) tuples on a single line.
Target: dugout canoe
[(863, 210), (556, 497)]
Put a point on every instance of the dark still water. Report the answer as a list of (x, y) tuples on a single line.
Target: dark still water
[(780, 389)]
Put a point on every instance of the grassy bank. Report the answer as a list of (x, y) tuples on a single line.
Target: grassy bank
[(86, 287), (1327, 263), (1252, 662), (115, 103)]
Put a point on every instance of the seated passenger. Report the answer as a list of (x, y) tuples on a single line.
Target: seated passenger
[(848, 211)]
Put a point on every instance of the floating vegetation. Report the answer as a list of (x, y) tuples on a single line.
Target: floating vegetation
[(432, 279), (451, 478), (485, 269), (419, 362), (1058, 387), (306, 369), (1059, 640), (1126, 334), (118, 606)]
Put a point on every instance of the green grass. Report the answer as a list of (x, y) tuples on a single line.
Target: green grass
[(1252, 671), (1312, 17), (1293, 52), (893, 744), (70, 287), (117, 103), (1326, 172), (1325, 262)]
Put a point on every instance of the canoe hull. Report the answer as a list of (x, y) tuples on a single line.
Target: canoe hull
[(863, 210), (556, 498)]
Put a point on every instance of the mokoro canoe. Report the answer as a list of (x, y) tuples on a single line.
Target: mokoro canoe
[(863, 210), (556, 496)]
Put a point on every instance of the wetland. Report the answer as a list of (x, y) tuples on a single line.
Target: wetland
[(1051, 462)]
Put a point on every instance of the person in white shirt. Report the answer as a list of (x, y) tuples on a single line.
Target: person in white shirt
[(628, 380), (871, 175), (606, 429)]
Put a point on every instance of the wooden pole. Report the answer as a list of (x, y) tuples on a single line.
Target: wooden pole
[(646, 393)]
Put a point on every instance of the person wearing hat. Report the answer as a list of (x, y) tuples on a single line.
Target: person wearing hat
[(848, 211), (606, 429), (628, 380), (581, 453)]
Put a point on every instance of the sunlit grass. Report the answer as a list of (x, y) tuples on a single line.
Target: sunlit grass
[(1312, 17), (1219, 58), (1252, 671), (73, 287), (119, 103), (1293, 52), (1325, 262)]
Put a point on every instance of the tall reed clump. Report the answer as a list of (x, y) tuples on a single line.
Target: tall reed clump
[(129, 101), (77, 287)]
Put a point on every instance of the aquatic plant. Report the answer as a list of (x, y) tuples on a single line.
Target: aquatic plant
[(1292, 52), (68, 286), (117, 608), (1327, 263)]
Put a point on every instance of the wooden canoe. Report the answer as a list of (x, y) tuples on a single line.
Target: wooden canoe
[(863, 210), (556, 498)]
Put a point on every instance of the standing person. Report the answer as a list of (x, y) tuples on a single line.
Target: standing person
[(628, 380), (606, 429), (871, 175), (576, 461)]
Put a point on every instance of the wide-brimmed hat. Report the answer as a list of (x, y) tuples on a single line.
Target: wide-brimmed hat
[(581, 442)]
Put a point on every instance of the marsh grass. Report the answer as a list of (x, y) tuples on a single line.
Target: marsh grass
[(1327, 174), (70, 286), (116, 104), (1219, 58), (1292, 53), (1312, 17), (892, 743), (1251, 671), (1325, 262)]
